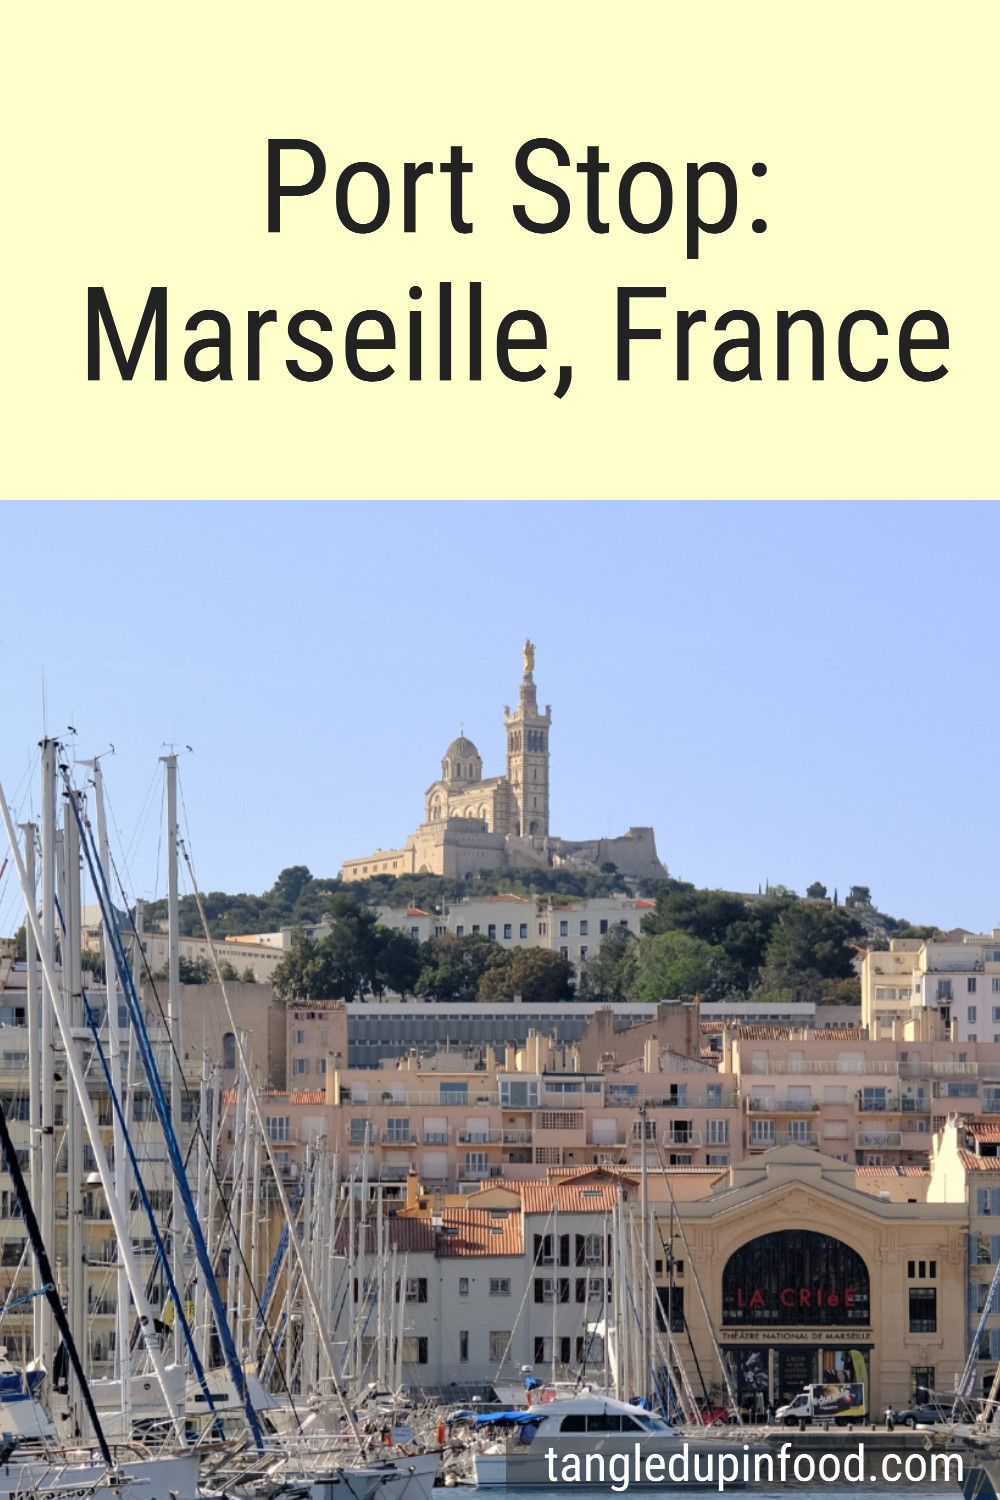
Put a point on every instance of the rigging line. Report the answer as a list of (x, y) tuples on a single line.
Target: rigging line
[(127, 852), (48, 1280), (161, 1249), (294, 1238), (199, 1134), (527, 1282), (163, 1112), (697, 1281)]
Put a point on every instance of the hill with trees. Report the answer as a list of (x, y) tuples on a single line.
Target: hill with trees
[(710, 943)]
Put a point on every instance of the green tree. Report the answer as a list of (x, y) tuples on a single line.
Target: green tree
[(453, 966), (290, 884), (817, 891), (227, 972), (528, 973), (676, 966), (248, 976), (811, 941), (398, 962), (611, 973)]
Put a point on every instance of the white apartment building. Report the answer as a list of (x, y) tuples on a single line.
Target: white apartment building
[(958, 979)]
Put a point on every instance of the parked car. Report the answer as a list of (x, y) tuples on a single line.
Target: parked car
[(711, 1415), (926, 1413)]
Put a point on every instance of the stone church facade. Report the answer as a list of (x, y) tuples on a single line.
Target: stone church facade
[(472, 822)]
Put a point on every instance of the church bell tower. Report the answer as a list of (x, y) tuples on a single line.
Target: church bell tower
[(528, 756)]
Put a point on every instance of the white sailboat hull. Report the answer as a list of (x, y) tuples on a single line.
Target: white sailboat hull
[(172, 1478)]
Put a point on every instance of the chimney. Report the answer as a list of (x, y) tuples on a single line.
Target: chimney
[(412, 1189), (651, 1056)]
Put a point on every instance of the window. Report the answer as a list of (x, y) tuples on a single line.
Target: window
[(919, 1270), (672, 1307), (279, 1128), (564, 929), (715, 1159), (416, 1288), (463, 1345), (460, 930), (499, 1286), (603, 926), (718, 1133), (944, 989), (799, 1132), (970, 1014), (996, 986), (970, 986), (923, 1309), (491, 930), (508, 930), (762, 1132), (921, 1382), (996, 1012), (228, 1050), (584, 951), (475, 926), (463, 1286), (359, 1125), (414, 1351), (551, 1288), (590, 1249), (499, 1339), (523, 931), (300, 1038), (300, 1066), (398, 1129), (584, 928)]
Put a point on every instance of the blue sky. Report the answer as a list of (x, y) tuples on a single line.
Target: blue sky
[(786, 692)]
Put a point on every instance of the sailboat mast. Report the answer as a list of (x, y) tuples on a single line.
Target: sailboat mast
[(174, 1027), (72, 981), (33, 1005), (47, 955), (76, 1072), (122, 1319)]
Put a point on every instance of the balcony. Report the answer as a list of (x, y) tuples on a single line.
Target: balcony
[(873, 1066), (397, 1138), (478, 1174), (782, 1106), (481, 1137), (917, 1104), (878, 1140), (406, 1098), (517, 1137), (616, 1100), (683, 1138), (436, 1137), (804, 1138), (878, 1106)]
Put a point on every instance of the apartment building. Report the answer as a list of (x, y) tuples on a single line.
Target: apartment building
[(956, 978), (965, 1169), (84, 1196), (871, 1102)]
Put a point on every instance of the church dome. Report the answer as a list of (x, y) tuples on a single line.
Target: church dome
[(462, 761)]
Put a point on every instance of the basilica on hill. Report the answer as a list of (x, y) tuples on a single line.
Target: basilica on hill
[(472, 822)]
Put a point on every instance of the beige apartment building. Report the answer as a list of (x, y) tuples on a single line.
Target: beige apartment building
[(866, 1102), (965, 1170), (955, 978)]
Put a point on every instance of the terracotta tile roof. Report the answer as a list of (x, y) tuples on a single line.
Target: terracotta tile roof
[(712, 1028), (973, 1163), (294, 1096), (416, 911), (984, 1130), (901, 1171), (477, 1231), (539, 1197), (751, 1032)]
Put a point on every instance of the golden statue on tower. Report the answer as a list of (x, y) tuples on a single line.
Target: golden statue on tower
[(529, 658)]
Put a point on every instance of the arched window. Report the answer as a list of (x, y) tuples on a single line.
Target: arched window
[(534, 828), (229, 1050), (795, 1277), (458, 770)]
